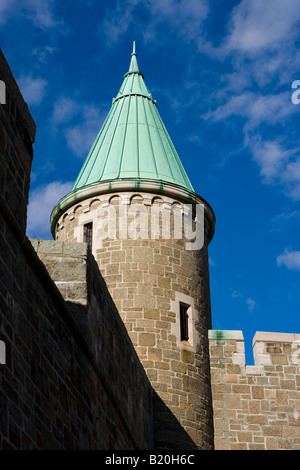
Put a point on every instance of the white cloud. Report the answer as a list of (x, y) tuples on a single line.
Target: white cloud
[(183, 17), (235, 294), (260, 46), (271, 158), (32, 89), (278, 165), (41, 202), (42, 53), (255, 108), (284, 220), (285, 216), (291, 177), (64, 110), (40, 12), (251, 304), (80, 137), (289, 259), (80, 123), (278, 161), (260, 43), (257, 25)]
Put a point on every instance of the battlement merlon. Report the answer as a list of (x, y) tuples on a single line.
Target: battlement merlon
[(269, 349), (276, 348)]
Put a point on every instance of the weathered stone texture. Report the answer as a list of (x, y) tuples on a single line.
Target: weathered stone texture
[(97, 362), (256, 407), (17, 134), (71, 379), (147, 277)]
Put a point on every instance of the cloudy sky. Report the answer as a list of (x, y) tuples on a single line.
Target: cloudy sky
[(222, 73)]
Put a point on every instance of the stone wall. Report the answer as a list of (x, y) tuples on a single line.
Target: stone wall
[(17, 134), (71, 377), (148, 277), (256, 407), (56, 392), (122, 392)]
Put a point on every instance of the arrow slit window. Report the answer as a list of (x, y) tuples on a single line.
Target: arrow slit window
[(184, 321), (88, 234)]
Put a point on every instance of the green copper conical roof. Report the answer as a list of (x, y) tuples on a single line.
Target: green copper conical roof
[(133, 143)]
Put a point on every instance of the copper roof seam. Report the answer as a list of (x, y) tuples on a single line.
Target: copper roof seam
[(137, 136), (162, 144), (111, 141), (150, 140), (177, 158), (124, 137), (114, 148), (103, 133), (87, 159)]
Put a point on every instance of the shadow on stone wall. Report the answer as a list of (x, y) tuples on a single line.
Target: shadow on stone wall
[(168, 432), (130, 405)]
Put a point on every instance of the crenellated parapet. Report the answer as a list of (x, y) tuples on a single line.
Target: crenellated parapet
[(255, 407)]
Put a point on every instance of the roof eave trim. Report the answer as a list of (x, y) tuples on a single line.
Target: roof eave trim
[(155, 187)]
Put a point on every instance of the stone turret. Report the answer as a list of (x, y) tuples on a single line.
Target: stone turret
[(148, 230)]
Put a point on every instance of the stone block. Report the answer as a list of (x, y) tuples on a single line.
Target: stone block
[(257, 419), (230, 378), (287, 384), (50, 247), (143, 254), (144, 300), (222, 443), (274, 430), (244, 436), (146, 339), (75, 249), (241, 389), (151, 313), (62, 269), (232, 402), (155, 354), (258, 392), (118, 256)]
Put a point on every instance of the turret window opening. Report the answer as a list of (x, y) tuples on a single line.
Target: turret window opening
[(184, 321), (88, 234)]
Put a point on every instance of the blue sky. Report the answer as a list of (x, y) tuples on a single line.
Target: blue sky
[(221, 72)]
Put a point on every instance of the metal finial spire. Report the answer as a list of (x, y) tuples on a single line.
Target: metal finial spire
[(133, 49), (133, 63)]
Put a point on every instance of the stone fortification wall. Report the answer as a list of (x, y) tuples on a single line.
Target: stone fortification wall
[(17, 134), (256, 407), (71, 380), (69, 376), (118, 386), (149, 277)]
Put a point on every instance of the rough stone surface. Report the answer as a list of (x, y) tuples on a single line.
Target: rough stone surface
[(148, 277), (72, 379), (256, 407), (94, 358)]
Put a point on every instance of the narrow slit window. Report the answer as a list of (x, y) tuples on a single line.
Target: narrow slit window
[(184, 322), (88, 234)]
